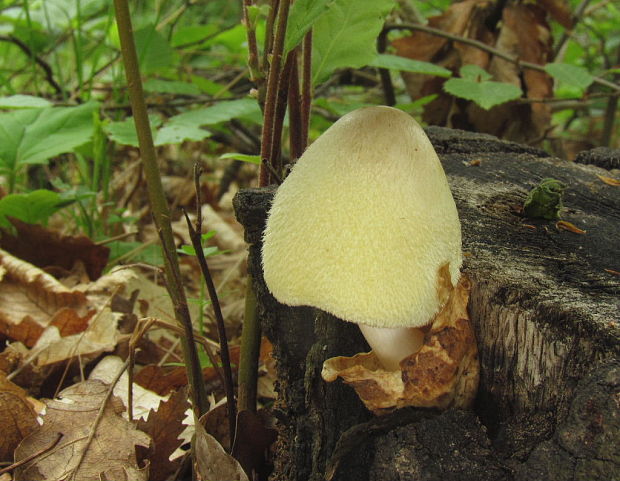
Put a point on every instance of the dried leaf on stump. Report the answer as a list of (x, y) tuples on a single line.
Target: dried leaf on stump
[(111, 454), (18, 418)]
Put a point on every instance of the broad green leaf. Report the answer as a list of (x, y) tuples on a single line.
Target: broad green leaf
[(178, 132), (475, 73), (33, 136), (136, 252), (171, 87), (34, 208), (210, 87), (154, 52), (192, 34), (570, 74), (394, 62), (345, 36), (485, 94), (252, 159), (221, 112), (124, 132), (23, 102), (302, 16)]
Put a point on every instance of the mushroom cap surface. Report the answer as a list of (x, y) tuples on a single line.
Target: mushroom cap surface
[(363, 223)]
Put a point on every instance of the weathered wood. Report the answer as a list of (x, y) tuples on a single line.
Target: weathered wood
[(545, 309)]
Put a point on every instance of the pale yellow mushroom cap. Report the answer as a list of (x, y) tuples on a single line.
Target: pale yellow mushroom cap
[(363, 223)]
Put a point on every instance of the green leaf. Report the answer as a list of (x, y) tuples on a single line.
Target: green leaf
[(171, 87), (221, 112), (192, 34), (124, 132), (34, 208), (23, 102), (474, 73), (178, 132), (33, 136), (345, 36), (570, 74), (252, 159), (154, 52), (475, 86), (302, 16), (136, 252), (394, 62)]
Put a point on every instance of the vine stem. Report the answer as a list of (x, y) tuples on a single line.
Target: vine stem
[(482, 46), (159, 207)]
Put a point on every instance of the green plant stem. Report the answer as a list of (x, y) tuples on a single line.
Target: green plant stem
[(486, 48), (250, 349), (159, 206), (250, 27)]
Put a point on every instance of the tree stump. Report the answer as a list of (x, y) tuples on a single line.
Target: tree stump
[(545, 308)]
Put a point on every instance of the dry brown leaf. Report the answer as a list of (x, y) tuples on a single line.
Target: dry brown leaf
[(164, 426), (443, 373), (29, 299), (569, 226), (112, 453), (609, 180), (559, 10), (45, 248), (18, 419), (212, 462)]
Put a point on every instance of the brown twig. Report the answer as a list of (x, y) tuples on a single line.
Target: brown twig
[(487, 48), (159, 206), (195, 234), (306, 87), (558, 50), (295, 121), (250, 28), (97, 421), (384, 74), (273, 78), (32, 456), (49, 74)]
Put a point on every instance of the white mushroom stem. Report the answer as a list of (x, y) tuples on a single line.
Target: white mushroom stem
[(392, 345)]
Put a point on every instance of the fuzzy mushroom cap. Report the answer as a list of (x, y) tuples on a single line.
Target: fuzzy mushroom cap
[(363, 223)]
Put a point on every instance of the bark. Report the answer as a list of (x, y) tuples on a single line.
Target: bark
[(545, 310)]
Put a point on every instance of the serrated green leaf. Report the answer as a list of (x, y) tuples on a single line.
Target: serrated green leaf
[(394, 62), (345, 36), (302, 16), (252, 159), (124, 131), (570, 74), (221, 112), (33, 136), (485, 94), (34, 208), (171, 87), (473, 72), (154, 52), (178, 132), (23, 102)]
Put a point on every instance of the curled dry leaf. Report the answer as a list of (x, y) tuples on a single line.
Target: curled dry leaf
[(609, 180), (443, 373), (18, 419), (569, 226), (212, 462), (49, 249), (111, 454)]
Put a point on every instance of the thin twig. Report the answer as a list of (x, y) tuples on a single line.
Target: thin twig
[(558, 51), (250, 28), (487, 48), (272, 91), (384, 74), (306, 87), (159, 206), (275, 155), (95, 425), (295, 121), (32, 456), (195, 234), (49, 74)]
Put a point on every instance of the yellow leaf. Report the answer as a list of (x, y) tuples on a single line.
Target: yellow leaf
[(562, 224), (609, 180)]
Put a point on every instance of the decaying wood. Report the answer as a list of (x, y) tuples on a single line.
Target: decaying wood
[(545, 308)]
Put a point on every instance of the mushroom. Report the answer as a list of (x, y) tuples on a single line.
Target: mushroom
[(362, 228)]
